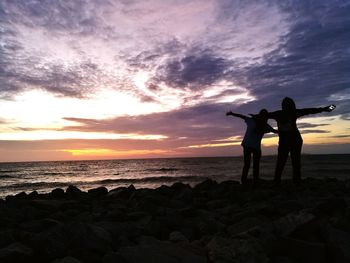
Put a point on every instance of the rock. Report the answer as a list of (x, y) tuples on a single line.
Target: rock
[(122, 192), (282, 260), (205, 185), (338, 244), (140, 217), (183, 193), (331, 180), (159, 253), (89, 237), (164, 190), (147, 240), (222, 250), (299, 250), (6, 237), (57, 193), (210, 226), (158, 228), (286, 225), (33, 195), (16, 252), (19, 196), (67, 260), (115, 215), (49, 245), (331, 206), (177, 237), (39, 225), (85, 242), (244, 225), (73, 190), (128, 230), (113, 257), (97, 192), (218, 203)]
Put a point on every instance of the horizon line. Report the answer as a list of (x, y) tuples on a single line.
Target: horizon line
[(156, 158)]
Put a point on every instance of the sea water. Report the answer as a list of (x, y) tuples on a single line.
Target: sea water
[(151, 173)]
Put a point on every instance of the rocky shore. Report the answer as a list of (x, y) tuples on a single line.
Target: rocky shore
[(211, 222)]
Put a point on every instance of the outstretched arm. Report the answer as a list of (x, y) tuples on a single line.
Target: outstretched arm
[(236, 115), (306, 111), (274, 114), (268, 129)]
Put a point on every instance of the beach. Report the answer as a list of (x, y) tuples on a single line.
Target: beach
[(206, 222)]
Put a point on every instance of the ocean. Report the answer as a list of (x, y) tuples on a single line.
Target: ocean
[(152, 173)]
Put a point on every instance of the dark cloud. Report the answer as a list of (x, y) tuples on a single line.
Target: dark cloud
[(201, 123), (73, 81), (306, 131), (303, 125), (312, 61), (341, 136), (194, 70)]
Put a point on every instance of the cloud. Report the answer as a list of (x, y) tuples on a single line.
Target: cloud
[(199, 123), (311, 61), (76, 16), (303, 125), (197, 60), (196, 70), (306, 131)]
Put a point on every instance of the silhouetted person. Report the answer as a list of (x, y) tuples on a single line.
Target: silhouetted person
[(256, 128), (290, 140)]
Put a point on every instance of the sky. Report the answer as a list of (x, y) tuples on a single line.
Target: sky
[(105, 79)]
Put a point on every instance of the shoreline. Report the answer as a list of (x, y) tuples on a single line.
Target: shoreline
[(209, 222)]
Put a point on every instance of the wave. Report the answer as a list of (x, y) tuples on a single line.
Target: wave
[(4, 176), (10, 171), (106, 182), (55, 173), (162, 170)]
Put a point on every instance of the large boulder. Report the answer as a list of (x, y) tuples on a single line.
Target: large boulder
[(98, 192), (57, 193)]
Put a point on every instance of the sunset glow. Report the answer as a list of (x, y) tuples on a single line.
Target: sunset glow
[(109, 152)]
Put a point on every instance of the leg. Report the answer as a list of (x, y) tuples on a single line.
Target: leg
[(283, 151), (247, 154), (256, 164), (295, 156)]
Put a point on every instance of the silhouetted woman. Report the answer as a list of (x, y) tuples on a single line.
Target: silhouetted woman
[(290, 140), (256, 128)]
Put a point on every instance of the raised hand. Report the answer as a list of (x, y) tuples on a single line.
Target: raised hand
[(329, 108)]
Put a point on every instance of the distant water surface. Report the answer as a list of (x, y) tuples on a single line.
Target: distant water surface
[(151, 173)]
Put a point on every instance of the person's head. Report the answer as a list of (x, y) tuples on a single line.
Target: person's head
[(263, 114), (261, 120), (288, 104)]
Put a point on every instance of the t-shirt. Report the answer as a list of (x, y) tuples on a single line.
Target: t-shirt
[(252, 139)]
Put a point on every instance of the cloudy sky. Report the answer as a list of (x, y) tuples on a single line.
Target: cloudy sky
[(91, 79)]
